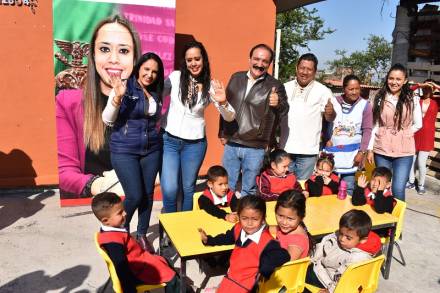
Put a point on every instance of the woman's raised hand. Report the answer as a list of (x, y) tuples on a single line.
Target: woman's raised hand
[(119, 87), (219, 89)]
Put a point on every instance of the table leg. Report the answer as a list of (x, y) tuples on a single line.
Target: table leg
[(160, 238), (182, 275), (389, 258)]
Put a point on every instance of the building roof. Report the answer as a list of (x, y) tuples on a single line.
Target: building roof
[(338, 83)]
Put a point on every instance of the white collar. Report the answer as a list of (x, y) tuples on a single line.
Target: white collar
[(372, 195), (249, 76), (254, 237), (112, 229), (217, 199)]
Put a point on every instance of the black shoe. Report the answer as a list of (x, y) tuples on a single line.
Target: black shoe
[(145, 244)]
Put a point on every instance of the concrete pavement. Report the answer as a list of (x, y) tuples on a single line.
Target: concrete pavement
[(46, 248)]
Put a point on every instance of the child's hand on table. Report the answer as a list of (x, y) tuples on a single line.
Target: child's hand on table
[(203, 235), (232, 217)]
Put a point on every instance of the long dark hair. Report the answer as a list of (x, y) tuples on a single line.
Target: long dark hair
[(405, 98), (296, 201), (94, 128), (204, 78), (157, 85)]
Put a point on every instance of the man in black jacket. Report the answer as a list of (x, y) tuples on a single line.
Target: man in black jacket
[(259, 101)]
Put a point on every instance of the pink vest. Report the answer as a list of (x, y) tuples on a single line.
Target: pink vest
[(392, 142)]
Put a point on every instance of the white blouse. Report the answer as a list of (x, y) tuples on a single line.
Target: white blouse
[(186, 123)]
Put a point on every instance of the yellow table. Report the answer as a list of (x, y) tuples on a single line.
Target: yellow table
[(322, 218)]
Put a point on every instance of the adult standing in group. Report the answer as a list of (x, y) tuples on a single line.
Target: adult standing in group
[(351, 130), (260, 100), (184, 136), (133, 111), (424, 138), (396, 117), (82, 137), (309, 101)]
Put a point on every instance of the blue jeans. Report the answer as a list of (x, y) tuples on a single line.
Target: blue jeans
[(137, 175), (302, 165), (181, 163), (349, 178), (248, 160), (400, 166)]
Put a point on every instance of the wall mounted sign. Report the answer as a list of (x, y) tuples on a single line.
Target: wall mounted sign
[(32, 4)]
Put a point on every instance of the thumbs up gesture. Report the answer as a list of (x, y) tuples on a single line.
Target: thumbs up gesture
[(273, 98), (328, 110)]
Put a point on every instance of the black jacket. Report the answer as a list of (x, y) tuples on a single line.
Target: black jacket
[(255, 122)]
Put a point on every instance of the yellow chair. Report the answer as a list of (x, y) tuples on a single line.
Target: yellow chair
[(113, 275), (398, 212), (302, 183), (361, 277), (291, 276), (196, 200)]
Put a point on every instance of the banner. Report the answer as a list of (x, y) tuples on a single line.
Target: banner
[(74, 23)]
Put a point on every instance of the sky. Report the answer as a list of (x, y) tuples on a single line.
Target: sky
[(354, 21)]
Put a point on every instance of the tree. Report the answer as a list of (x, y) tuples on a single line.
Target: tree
[(371, 64), (298, 27)]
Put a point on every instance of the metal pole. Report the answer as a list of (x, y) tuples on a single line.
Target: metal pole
[(277, 52)]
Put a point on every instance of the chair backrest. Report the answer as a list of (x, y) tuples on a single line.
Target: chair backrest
[(302, 183), (399, 212), (290, 275), (196, 200), (111, 268), (361, 277)]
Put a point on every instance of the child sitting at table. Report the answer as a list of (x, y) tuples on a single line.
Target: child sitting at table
[(134, 266), (218, 195), (275, 177), (323, 181), (354, 242), (291, 231), (255, 251), (376, 193)]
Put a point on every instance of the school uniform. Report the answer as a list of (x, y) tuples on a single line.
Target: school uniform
[(212, 204), (316, 187)]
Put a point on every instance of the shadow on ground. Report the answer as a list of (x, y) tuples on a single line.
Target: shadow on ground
[(38, 281)]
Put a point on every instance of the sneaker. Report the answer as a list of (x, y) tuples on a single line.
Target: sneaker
[(421, 190), (410, 185)]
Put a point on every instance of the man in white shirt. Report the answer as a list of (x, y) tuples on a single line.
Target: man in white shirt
[(308, 101)]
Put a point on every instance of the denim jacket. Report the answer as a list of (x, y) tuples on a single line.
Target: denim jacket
[(134, 132)]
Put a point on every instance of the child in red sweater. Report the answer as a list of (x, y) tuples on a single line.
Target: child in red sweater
[(276, 178), (323, 181), (218, 195), (134, 266), (377, 192), (255, 252)]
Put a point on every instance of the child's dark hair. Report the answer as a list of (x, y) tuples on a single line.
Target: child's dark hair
[(295, 200), (276, 156), (358, 221), (252, 202), (382, 171), (326, 158), (216, 171), (103, 202)]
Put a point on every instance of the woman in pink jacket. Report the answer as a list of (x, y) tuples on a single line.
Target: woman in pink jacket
[(396, 117), (83, 152)]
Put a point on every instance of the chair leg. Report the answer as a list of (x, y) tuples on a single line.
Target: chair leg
[(402, 259)]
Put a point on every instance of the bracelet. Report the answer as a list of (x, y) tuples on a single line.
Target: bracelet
[(87, 191), (115, 104)]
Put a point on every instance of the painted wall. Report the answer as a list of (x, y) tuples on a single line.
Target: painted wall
[(27, 109), (228, 29)]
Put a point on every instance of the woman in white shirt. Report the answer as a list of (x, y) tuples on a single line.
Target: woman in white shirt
[(184, 140)]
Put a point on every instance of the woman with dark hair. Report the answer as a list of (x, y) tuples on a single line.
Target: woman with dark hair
[(351, 130), (191, 91), (396, 117), (133, 111), (82, 137)]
